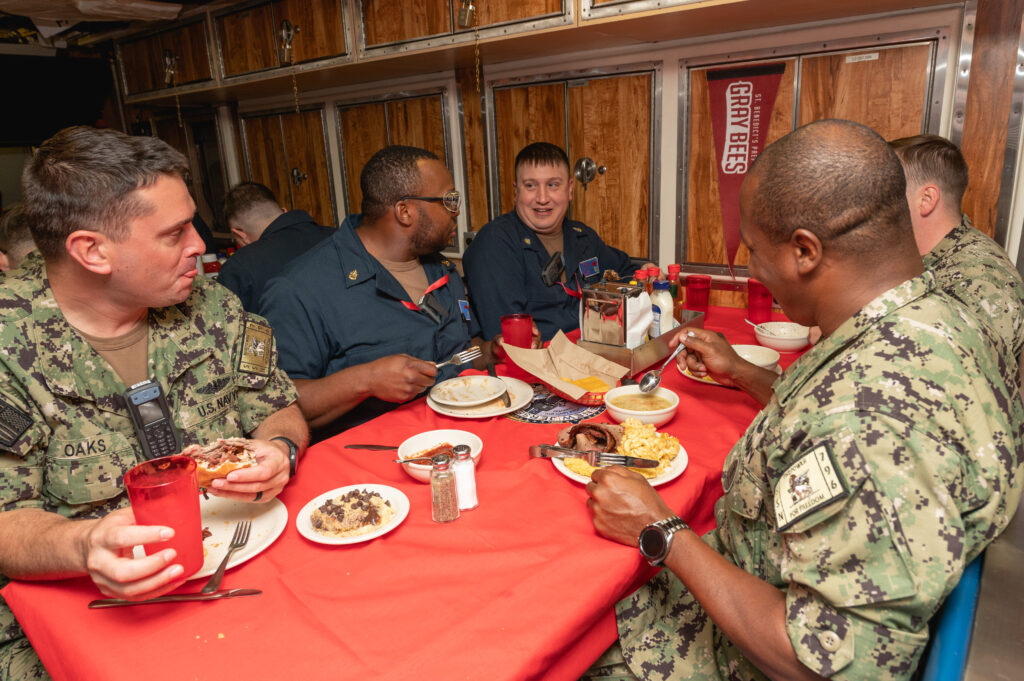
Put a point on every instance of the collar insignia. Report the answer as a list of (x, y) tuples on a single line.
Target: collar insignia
[(353, 275), (526, 240)]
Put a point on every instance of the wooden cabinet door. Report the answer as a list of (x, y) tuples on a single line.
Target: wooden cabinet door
[(321, 32), (385, 21), (608, 120), (884, 88), (188, 45), (306, 168), (264, 145), (490, 13), (522, 115), (367, 128), (364, 130), (247, 40), (143, 65)]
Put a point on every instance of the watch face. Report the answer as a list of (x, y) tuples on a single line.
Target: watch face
[(652, 543)]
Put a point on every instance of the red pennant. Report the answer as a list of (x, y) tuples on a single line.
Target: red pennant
[(741, 108)]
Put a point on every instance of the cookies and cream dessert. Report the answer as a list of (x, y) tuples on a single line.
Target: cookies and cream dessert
[(351, 514)]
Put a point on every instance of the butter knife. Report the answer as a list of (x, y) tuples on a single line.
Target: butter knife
[(174, 598), (505, 399), (375, 447)]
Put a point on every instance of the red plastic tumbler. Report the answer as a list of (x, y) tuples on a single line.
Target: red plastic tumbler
[(759, 302), (164, 492)]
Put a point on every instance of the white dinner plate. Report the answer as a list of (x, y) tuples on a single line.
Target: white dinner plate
[(710, 381), (398, 500), (674, 471), (520, 394), (467, 391), (219, 515)]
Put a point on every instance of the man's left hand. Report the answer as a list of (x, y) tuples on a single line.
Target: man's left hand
[(623, 503), (268, 476)]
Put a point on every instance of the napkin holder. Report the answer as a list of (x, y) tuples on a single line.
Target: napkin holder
[(605, 309)]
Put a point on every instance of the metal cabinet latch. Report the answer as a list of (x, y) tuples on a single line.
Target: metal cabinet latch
[(298, 177), (287, 33), (586, 170)]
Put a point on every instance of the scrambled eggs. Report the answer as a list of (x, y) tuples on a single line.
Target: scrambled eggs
[(639, 439)]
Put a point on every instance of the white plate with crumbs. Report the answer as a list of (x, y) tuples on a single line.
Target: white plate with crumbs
[(520, 394), (671, 473), (395, 498), (467, 391), (219, 517)]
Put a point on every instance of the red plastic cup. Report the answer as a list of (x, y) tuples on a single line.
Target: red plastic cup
[(164, 491), (698, 288), (517, 329), (759, 302)]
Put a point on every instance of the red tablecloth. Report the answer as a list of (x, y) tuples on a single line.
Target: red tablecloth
[(520, 588)]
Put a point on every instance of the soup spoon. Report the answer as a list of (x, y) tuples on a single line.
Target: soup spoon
[(652, 379)]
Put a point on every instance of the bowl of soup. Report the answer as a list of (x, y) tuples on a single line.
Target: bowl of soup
[(627, 402)]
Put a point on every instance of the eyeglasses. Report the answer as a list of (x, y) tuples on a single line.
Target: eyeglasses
[(451, 200)]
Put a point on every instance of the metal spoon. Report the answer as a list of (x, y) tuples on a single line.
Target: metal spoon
[(652, 379), (766, 331)]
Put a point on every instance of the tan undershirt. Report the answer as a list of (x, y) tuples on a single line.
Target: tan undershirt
[(553, 243), (410, 275), (127, 353)]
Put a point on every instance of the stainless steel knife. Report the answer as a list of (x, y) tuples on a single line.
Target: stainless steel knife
[(175, 598), (505, 399)]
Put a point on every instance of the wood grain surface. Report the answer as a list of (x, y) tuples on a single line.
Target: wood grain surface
[(523, 115), (306, 150), (391, 22), (247, 40), (321, 31), (609, 122), (987, 113)]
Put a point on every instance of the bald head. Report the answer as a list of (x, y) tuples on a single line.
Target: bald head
[(836, 179)]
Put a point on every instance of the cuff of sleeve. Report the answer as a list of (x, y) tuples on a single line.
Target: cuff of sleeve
[(830, 641)]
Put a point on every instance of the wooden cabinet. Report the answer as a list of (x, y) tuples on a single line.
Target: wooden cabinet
[(366, 128), (386, 23), (287, 152), (253, 39), (607, 120), (145, 61)]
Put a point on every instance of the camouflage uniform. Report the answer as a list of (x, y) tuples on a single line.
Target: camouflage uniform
[(973, 269), (887, 459), (66, 438)]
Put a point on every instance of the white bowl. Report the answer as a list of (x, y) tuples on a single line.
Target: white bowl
[(782, 336), (766, 358), (430, 439), (656, 418)]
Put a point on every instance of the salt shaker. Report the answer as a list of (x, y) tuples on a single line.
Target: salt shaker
[(465, 477), (443, 493)]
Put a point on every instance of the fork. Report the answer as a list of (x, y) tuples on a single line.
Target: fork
[(462, 357), (597, 459), (238, 540)]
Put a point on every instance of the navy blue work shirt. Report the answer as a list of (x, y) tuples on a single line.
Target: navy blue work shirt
[(336, 307), (252, 266), (503, 265)]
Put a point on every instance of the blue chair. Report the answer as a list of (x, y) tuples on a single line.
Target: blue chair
[(951, 628)]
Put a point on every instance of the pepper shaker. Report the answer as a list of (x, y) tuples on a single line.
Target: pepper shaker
[(465, 477), (443, 493)]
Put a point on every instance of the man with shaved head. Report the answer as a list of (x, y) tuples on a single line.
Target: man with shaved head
[(887, 458)]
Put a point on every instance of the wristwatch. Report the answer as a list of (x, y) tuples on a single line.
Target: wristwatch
[(293, 454), (656, 539)]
